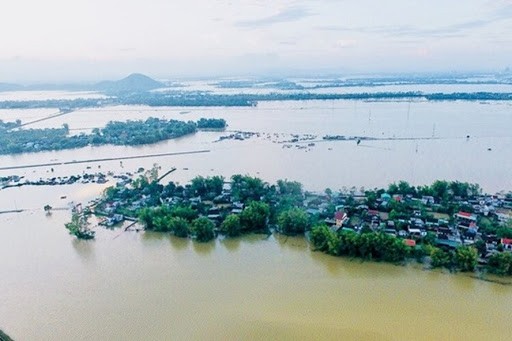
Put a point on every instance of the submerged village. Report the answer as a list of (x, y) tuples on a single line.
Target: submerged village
[(449, 225)]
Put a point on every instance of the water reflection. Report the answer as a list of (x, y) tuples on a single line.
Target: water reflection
[(179, 243), (328, 262), (291, 243), (231, 244), (84, 249), (254, 238), (154, 236), (464, 282), (203, 249)]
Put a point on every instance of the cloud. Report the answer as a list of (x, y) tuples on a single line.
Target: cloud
[(458, 30), (289, 14), (453, 31), (345, 43)]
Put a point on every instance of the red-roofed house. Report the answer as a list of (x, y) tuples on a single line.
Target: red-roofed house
[(466, 215), (410, 242), (507, 244), (466, 220), (340, 217)]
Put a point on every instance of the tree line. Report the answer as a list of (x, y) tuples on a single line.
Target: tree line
[(127, 133)]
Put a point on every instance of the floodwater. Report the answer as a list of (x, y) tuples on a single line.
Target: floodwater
[(438, 147), (150, 286), (147, 286)]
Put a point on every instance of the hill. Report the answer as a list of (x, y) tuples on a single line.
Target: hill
[(135, 82)]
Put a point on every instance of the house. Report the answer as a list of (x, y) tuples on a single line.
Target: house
[(417, 233), (313, 211), (427, 200), (448, 243), (398, 197), (115, 219), (465, 216), (507, 244), (340, 217), (466, 220), (410, 242)]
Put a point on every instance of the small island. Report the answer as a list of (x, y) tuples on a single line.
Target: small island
[(450, 225), (15, 140)]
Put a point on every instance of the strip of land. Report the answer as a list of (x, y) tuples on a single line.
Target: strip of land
[(36, 165)]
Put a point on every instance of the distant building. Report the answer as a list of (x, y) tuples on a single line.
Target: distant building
[(340, 217)]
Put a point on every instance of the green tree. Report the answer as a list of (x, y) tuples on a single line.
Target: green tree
[(79, 226), (466, 258), (319, 237), (179, 227), (231, 226), (244, 188), (487, 226), (504, 232), (429, 238), (293, 221), (161, 223), (185, 212), (203, 229), (255, 216), (146, 218), (501, 263), (404, 188), (439, 257), (440, 189)]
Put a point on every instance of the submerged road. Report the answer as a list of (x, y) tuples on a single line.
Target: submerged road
[(58, 114), (104, 159)]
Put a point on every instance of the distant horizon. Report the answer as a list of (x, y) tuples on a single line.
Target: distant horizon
[(283, 74), (93, 40)]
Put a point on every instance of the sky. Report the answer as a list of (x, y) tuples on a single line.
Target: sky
[(86, 40)]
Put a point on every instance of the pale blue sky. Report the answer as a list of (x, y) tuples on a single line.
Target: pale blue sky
[(97, 39)]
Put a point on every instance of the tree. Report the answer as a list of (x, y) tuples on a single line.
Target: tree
[(179, 227), (440, 189), (231, 226), (487, 226), (293, 221), (501, 263), (504, 232), (161, 223), (466, 258), (146, 218), (79, 226), (185, 212), (255, 216), (439, 257), (246, 188), (429, 238), (203, 229), (481, 247), (319, 237), (404, 188)]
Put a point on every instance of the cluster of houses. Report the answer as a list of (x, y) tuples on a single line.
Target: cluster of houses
[(17, 181), (351, 213), (343, 211)]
